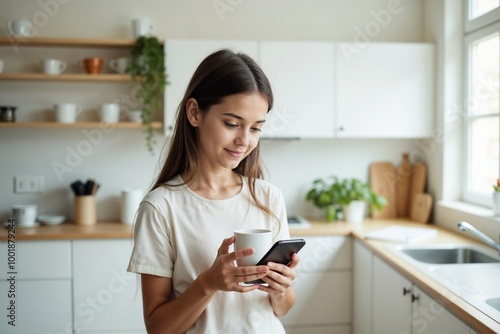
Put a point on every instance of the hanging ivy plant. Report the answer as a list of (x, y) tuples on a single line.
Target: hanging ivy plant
[(147, 68)]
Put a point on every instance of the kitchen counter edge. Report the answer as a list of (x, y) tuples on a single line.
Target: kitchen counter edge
[(478, 320)]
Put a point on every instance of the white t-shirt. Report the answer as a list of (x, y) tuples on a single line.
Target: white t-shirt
[(178, 233)]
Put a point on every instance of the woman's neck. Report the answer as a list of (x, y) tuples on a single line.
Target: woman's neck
[(221, 185)]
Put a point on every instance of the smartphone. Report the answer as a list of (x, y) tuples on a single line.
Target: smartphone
[(280, 252)]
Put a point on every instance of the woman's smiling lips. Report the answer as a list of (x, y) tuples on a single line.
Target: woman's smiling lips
[(235, 154)]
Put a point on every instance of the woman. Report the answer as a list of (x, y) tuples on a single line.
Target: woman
[(210, 186)]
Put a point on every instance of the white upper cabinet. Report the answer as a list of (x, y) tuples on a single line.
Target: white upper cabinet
[(324, 89), (385, 90), (182, 57), (302, 79)]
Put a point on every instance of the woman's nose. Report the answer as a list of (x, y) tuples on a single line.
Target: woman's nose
[(243, 138)]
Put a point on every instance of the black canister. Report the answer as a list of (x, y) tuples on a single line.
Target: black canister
[(7, 113)]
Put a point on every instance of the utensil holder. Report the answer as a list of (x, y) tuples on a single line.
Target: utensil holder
[(85, 210)]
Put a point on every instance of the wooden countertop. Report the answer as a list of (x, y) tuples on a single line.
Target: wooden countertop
[(477, 319), (480, 322), (70, 231)]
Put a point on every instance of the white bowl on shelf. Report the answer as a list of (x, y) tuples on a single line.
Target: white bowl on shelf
[(51, 219)]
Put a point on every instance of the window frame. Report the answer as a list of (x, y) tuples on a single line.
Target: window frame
[(480, 21), (475, 30)]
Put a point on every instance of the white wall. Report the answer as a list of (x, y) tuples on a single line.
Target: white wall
[(120, 158)]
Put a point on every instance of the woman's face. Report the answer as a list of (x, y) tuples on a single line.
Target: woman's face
[(230, 130)]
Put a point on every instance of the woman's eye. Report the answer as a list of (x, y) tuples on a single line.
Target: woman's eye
[(257, 129), (231, 125)]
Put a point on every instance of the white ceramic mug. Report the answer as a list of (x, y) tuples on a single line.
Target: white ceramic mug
[(135, 116), (260, 240), (25, 214), (20, 28), (142, 27), (119, 65), (1, 65), (66, 112), (52, 66), (109, 112), (130, 200)]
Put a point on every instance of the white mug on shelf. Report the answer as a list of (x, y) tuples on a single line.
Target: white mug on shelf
[(135, 116), (66, 112), (130, 200), (52, 66), (25, 214), (119, 65), (142, 27), (19, 28), (109, 112)]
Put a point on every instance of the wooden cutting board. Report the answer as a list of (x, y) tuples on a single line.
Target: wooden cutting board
[(421, 208), (383, 182), (417, 183), (403, 178)]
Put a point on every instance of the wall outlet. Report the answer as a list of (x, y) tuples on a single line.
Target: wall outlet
[(28, 184)]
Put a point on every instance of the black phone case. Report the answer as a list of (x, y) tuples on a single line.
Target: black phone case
[(280, 252)]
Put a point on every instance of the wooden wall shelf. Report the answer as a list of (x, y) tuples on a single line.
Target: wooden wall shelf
[(102, 77), (67, 42), (78, 125)]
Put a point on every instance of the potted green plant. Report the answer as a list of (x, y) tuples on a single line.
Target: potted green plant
[(325, 194), (349, 194), (147, 68)]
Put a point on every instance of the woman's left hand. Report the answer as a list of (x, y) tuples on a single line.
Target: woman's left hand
[(280, 277)]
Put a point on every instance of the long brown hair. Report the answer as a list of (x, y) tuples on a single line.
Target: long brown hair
[(221, 74)]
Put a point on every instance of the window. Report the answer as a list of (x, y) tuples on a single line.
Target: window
[(481, 7), (482, 99)]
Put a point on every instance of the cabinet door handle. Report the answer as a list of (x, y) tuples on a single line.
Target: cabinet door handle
[(414, 297), (406, 291), (341, 128)]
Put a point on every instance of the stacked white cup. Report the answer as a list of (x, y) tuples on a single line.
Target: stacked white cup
[(25, 215)]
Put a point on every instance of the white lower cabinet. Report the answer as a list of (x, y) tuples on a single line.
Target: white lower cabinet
[(431, 317), (40, 307), (391, 300), (106, 297), (386, 302), (362, 291), (36, 291), (323, 288)]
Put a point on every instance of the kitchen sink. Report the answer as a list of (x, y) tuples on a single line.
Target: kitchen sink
[(450, 255), (494, 302), (469, 271)]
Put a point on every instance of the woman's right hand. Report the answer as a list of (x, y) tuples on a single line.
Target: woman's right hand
[(223, 275)]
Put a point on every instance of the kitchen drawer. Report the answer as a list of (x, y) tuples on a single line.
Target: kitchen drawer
[(325, 253), (40, 259)]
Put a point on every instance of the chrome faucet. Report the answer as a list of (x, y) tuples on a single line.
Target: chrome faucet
[(464, 226)]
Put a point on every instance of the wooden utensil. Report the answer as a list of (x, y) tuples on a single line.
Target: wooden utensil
[(417, 183), (382, 181), (403, 178), (421, 208)]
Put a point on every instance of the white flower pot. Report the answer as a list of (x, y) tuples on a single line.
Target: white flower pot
[(496, 203), (354, 212)]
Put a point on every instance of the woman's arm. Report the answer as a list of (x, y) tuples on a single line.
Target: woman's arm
[(164, 315)]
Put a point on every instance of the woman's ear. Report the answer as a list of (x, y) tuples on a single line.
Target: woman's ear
[(193, 112)]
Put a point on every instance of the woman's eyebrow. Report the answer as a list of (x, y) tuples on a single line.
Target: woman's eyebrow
[(241, 118)]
